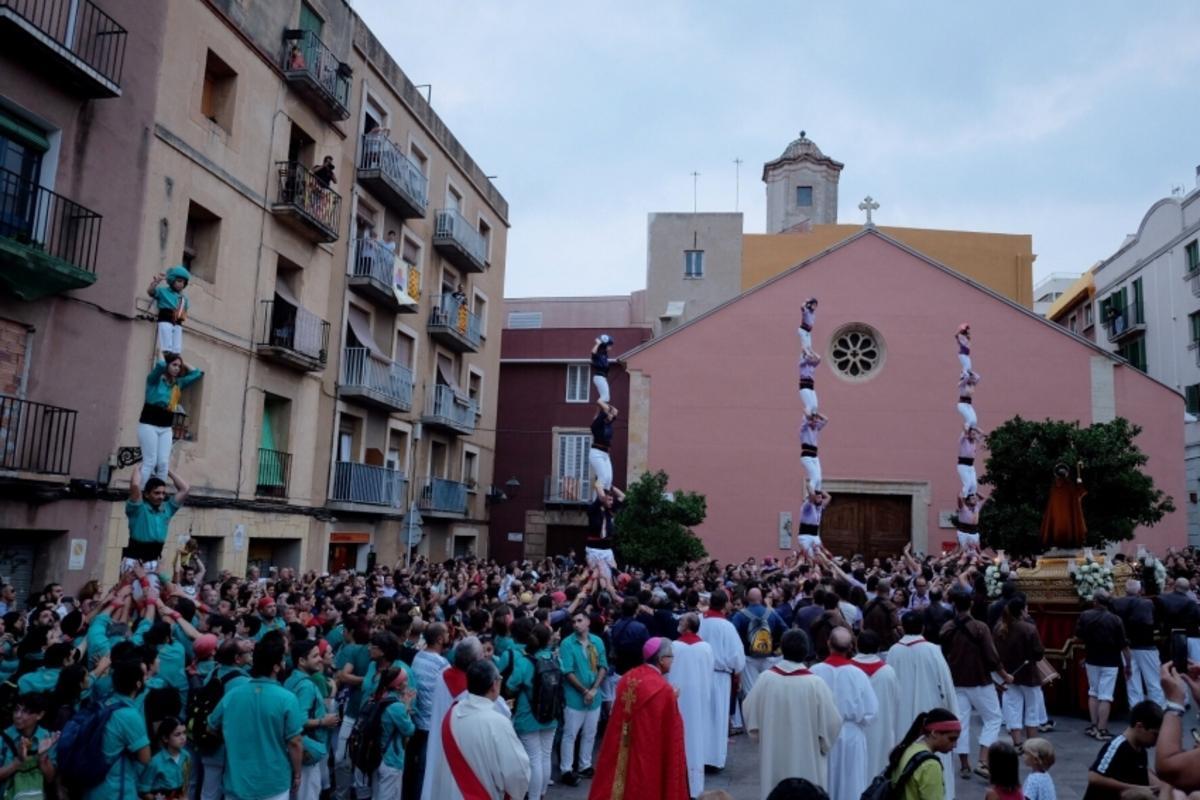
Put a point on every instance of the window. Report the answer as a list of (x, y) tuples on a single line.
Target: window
[(804, 196), (200, 240), (475, 390), (219, 92), (406, 345), (470, 472), (1087, 315), (273, 458), (485, 231), (397, 452), (856, 352), (579, 379), (481, 312), (410, 254), (524, 319), (1073, 324), (1194, 327), (187, 413), (453, 199), (419, 158), (310, 20), (1191, 253), (1137, 311), (1134, 351), (693, 263), (301, 146), (570, 482), (1191, 395)]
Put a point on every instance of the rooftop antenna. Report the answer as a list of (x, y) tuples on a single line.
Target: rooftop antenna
[(737, 183), (695, 179), (1177, 190)]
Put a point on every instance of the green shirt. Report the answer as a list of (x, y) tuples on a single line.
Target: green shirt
[(218, 673), (359, 656), (124, 736), (166, 773), (926, 782), (258, 719), (43, 679), (521, 682), (147, 523), (584, 661), (397, 726)]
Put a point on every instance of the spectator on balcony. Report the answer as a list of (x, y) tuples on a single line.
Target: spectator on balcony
[(166, 380), (323, 172), (389, 241), (172, 305)]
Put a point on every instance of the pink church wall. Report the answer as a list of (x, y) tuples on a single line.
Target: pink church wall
[(724, 410)]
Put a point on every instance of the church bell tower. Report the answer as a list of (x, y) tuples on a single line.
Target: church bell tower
[(802, 187)]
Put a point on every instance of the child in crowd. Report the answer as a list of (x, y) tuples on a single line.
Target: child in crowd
[(397, 728), (1122, 764), (1004, 772), (166, 776), (172, 305), (1039, 757)]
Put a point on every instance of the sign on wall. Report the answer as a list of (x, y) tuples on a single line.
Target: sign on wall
[(239, 538), (785, 530), (78, 554)]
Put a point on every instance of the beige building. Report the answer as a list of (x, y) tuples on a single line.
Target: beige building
[(344, 380)]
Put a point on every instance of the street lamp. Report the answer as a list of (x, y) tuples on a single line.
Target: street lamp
[(512, 487)]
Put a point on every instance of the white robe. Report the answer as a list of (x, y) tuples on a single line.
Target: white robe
[(797, 724), (881, 734), (490, 747), (729, 658), (435, 760), (856, 702), (923, 672), (692, 676)]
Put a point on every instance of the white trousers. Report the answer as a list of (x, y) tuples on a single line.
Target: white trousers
[(574, 722), (809, 398), (310, 783), (967, 410), (805, 338), (966, 476), (982, 699), (388, 783), (1039, 707), (601, 384), (968, 541), (1101, 681), (213, 787), (964, 361), (1145, 684), (156, 451), (170, 338), (1020, 707), (601, 560), (808, 543), (812, 466), (601, 465), (539, 746)]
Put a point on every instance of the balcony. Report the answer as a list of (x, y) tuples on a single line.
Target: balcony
[(316, 74), (393, 177), (449, 411), (567, 490), (459, 242), (374, 380), (306, 204), (72, 39), (35, 438), (382, 278), (442, 498), (1192, 276), (48, 243), (293, 336), (274, 473), (1124, 323), (452, 324), (365, 487)]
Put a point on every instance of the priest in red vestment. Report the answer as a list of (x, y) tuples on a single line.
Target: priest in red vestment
[(643, 751)]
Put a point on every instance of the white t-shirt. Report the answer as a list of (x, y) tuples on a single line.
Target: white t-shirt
[(1039, 786)]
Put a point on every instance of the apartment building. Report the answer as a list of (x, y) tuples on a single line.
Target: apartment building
[(346, 377)]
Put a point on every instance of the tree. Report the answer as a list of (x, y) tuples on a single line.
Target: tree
[(654, 529), (1020, 467)]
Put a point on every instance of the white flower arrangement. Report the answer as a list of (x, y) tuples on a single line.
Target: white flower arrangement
[(993, 580), (1090, 576), (1152, 566)]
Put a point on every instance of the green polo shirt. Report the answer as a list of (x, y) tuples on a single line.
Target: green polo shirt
[(148, 524), (166, 773), (43, 679), (258, 719), (521, 682), (124, 735), (584, 662), (359, 656)]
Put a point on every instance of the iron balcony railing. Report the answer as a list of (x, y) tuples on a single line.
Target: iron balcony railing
[(439, 495), (296, 329), (567, 489), (451, 226), (364, 371), (381, 153), (372, 259), (274, 473), (35, 437), (367, 484), (1122, 321), (307, 57), (451, 313), (88, 33), (444, 406), (300, 188), (48, 222)]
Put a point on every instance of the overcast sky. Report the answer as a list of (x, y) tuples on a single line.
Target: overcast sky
[(1064, 120)]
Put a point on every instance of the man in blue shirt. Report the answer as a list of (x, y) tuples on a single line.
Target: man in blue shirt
[(749, 620)]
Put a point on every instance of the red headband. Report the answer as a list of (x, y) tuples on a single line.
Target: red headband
[(949, 726)]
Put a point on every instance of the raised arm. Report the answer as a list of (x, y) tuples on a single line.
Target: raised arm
[(154, 282), (181, 488)]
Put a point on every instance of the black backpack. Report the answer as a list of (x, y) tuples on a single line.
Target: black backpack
[(201, 703), (881, 788), (365, 745), (546, 696)]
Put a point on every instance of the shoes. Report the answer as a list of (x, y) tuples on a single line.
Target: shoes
[(965, 773), (710, 769), (590, 772), (569, 779), (1090, 730), (982, 771), (1046, 726), (1102, 735)]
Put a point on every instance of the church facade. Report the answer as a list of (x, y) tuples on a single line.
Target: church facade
[(714, 402)]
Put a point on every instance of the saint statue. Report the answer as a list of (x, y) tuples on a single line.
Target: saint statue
[(1063, 525)]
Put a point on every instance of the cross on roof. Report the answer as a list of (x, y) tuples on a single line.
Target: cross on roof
[(868, 205)]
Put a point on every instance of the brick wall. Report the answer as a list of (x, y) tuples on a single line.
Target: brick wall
[(13, 337)]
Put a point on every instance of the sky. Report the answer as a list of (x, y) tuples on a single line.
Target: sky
[(1066, 121)]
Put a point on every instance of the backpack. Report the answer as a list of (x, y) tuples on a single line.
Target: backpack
[(365, 745), (881, 788), (201, 703), (80, 753), (27, 782), (546, 696), (758, 637)]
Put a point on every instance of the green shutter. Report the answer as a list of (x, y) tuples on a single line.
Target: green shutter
[(21, 131), (310, 20)]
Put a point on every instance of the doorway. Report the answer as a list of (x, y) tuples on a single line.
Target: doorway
[(870, 524)]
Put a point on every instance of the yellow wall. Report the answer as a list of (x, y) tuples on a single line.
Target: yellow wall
[(1003, 262)]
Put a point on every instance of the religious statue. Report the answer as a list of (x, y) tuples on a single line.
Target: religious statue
[(1063, 525)]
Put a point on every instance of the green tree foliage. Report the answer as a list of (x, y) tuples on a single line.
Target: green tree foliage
[(1020, 468), (654, 532)]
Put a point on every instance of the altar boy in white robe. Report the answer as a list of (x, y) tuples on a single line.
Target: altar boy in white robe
[(923, 672), (856, 702), (692, 676), (881, 734), (729, 659)]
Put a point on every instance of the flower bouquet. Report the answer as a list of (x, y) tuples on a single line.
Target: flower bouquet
[(1090, 576)]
